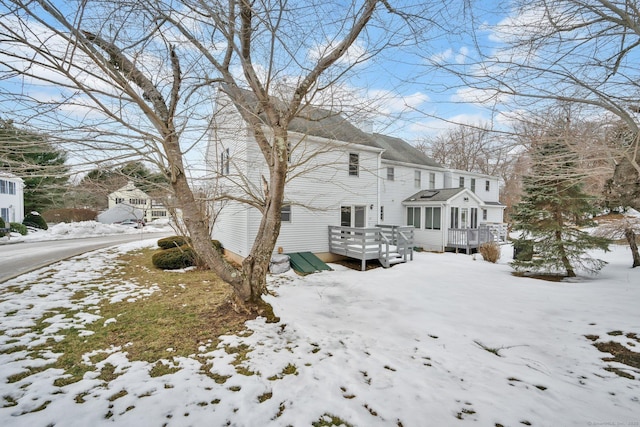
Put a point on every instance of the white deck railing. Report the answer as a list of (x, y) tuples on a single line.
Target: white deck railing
[(367, 243)]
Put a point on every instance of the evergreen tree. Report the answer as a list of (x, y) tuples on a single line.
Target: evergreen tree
[(551, 212), (40, 165)]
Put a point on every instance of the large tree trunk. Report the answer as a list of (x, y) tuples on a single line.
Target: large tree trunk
[(630, 235), (256, 265), (197, 224)]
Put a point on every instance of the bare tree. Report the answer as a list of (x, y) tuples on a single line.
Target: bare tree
[(570, 51), (135, 79), (469, 148), (623, 227)]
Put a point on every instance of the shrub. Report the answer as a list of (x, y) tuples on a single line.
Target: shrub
[(2, 225), (34, 219), (173, 242), (490, 251), (19, 228), (174, 258), (216, 244)]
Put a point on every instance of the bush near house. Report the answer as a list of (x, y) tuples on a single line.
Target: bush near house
[(175, 253), (173, 242), (490, 251), (2, 225), (19, 228), (174, 258), (69, 215), (36, 220)]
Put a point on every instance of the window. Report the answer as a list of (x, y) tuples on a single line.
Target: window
[(381, 213), (4, 213), (119, 200), (455, 223), (417, 179), (345, 216), (473, 185), (487, 185), (137, 202), (158, 213), (474, 218), (413, 216), (354, 164), (224, 162), (432, 180), (461, 179), (432, 218), (7, 187), (390, 174), (353, 216), (285, 213), (484, 213)]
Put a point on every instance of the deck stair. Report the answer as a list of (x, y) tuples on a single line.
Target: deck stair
[(389, 244)]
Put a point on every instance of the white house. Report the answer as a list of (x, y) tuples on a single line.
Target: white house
[(340, 176), (11, 198), (130, 202)]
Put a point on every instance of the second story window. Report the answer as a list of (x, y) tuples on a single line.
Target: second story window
[(390, 174), (432, 180), (119, 200), (354, 164), (487, 185), (417, 179), (461, 185), (473, 185)]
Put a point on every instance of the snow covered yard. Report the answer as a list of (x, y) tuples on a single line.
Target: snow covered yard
[(443, 340)]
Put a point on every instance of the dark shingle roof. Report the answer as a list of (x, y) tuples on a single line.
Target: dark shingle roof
[(323, 123), (437, 195), (326, 124), (399, 150)]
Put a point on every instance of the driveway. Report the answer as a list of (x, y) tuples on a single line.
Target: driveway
[(23, 257)]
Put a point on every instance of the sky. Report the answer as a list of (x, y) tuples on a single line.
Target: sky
[(465, 343), (409, 97)]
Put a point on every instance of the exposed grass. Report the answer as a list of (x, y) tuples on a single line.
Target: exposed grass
[(620, 353), (188, 310), (330, 420)]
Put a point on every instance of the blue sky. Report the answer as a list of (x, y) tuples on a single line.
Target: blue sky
[(410, 99)]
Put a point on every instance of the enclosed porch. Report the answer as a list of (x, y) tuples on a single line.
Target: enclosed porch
[(389, 244)]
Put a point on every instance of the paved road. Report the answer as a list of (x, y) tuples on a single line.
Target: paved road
[(23, 257)]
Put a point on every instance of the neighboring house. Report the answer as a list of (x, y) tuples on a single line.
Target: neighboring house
[(341, 179), (130, 202), (11, 198)]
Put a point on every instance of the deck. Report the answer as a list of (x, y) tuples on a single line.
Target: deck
[(389, 244), (470, 239)]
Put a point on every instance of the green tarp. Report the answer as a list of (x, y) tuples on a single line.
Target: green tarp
[(306, 262)]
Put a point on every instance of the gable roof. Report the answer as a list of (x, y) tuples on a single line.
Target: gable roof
[(315, 121), (399, 150), (327, 124)]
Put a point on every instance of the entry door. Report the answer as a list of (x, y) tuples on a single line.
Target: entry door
[(353, 216), (464, 217)]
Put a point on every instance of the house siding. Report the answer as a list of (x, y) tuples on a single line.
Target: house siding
[(392, 193), (319, 184), (12, 205)]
